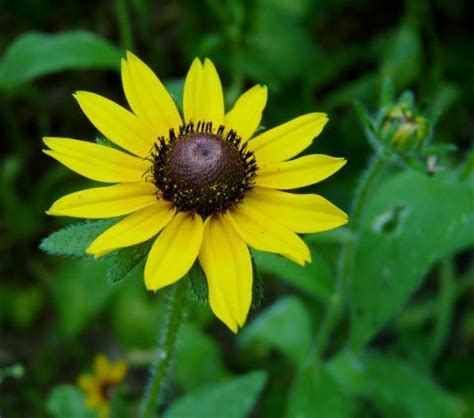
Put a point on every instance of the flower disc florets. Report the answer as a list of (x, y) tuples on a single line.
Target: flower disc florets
[(201, 170)]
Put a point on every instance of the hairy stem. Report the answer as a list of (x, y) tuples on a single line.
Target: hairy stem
[(346, 259), (165, 350)]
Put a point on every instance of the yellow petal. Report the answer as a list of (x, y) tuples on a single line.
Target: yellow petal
[(105, 202), (203, 99), (300, 172), (96, 162), (147, 96), (287, 140), (95, 400), (117, 372), (246, 114), (174, 251), (101, 367), (134, 229), (303, 213), (116, 123), (87, 383), (266, 234), (225, 259), (104, 410)]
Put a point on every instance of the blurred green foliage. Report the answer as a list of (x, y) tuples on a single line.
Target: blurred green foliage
[(405, 347)]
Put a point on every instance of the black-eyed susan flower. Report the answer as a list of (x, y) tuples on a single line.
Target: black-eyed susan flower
[(199, 182), (99, 386)]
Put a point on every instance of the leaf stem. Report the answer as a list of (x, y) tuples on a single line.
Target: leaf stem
[(165, 350), (346, 258), (123, 20)]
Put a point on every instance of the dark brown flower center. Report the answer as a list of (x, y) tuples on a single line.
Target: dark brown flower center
[(201, 170)]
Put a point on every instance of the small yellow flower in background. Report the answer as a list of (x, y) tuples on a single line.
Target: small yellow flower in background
[(200, 182), (98, 387)]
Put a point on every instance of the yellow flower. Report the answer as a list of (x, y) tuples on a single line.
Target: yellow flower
[(200, 182), (98, 386)]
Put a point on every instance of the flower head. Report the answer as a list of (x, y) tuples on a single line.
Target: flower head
[(200, 182), (98, 387)]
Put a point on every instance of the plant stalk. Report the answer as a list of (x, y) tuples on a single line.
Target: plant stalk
[(165, 350), (346, 259)]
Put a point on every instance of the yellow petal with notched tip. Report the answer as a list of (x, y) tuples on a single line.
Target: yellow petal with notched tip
[(97, 162), (137, 227), (203, 99), (245, 116), (266, 234), (225, 259), (302, 213), (105, 202), (174, 251), (299, 172), (147, 96), (117, 124), (287, 140)]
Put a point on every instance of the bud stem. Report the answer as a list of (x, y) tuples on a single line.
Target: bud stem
[(346, 258)]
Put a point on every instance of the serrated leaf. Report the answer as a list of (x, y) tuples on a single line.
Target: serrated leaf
[(231, 399), (411, 222), (285, 325), (121, 262), (33, 55), (68, 401), (74, 239)]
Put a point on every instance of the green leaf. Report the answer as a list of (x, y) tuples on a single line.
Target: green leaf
[(285, 325), (231, 399), (33, 55), (314, 278), (79, 292), (191, 371), (67, 401), (121, 262), (315, 393), (197, 279), (411, 222), (74, 239), (396, 387)]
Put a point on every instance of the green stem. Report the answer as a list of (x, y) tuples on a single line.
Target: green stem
[(123, 20), (346, 258), (165, 350), (445, 306)]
